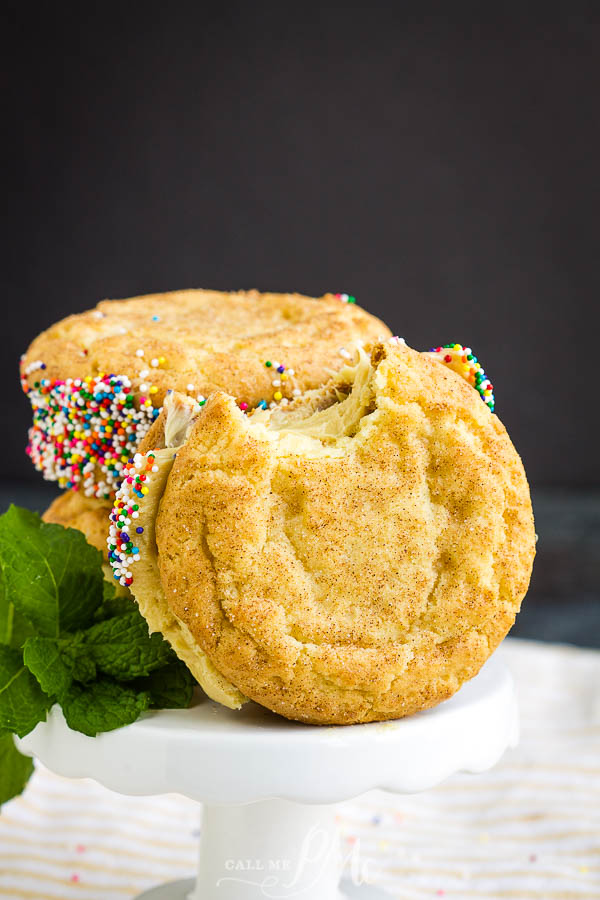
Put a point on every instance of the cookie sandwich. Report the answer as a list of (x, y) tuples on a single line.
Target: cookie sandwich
[(354, 556)]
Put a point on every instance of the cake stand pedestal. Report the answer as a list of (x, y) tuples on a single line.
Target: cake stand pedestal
[(269, 786)]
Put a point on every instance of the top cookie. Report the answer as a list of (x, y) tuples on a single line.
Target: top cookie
[(96, 380), (355, 556)]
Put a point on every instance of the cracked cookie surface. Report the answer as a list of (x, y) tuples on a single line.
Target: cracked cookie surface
[(207, 340)]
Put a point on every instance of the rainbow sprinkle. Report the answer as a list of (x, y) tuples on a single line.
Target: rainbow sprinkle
[(282, 375), (346, 298), (122, 551), (85, 430), (84, 424), (460, 359)]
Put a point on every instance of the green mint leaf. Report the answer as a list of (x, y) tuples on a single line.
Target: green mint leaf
[(15, 769), (75, 655), (21, 630), (171, 687), (52, 575), (43, 658), (22, 702), (103, 706), (14, 627), (123, 648), (6, 615), (57, 663)]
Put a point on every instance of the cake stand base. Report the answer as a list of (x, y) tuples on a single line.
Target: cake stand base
[(174, 890), (253, 847), (272, 850), (183, 890)]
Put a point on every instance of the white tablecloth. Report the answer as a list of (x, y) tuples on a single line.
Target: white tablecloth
[(528, 829)]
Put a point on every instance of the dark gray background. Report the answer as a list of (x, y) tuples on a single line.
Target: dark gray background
[(444, 169)]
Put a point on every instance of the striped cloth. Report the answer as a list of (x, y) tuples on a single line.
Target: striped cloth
[(528, 829)]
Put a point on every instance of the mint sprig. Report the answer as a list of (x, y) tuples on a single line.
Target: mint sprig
[(66, 638), (54, 581)]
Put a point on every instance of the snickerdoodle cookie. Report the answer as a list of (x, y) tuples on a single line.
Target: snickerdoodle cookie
[(97, 380), (353, 557)]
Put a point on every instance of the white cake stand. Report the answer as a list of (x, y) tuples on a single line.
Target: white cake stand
[(269, 786)]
